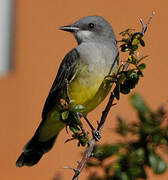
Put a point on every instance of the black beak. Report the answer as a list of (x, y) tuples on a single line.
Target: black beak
[(69, 28)]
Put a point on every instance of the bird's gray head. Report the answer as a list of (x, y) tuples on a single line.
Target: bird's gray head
[(91, 28)]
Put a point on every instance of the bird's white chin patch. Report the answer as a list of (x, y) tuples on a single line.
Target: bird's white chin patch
[(84, 34)]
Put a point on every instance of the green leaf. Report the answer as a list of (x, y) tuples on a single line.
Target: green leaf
[(83, 141), (117, 91), (105, 151), (134, 47), (73, 118), (134, 76), (65, 115), (122, 126), (157, 138), (135, 41), (116, 166), (156, 163), (124, 176), (143, 173), (124, 90), (135, 170), (140, 155), (74, 129), (77, 108), (142, 42), (124, 48), (121, 176), (129, 72), (91, 164), (121, 78), (139, 73), (138, 103), (142, 66), (129, 83)]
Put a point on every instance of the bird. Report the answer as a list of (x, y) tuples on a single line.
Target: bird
[(84, 69)]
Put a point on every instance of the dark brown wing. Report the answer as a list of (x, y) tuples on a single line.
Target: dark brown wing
[(66, 71)]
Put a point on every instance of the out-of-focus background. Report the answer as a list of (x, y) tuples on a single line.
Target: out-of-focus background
[(27, 72)]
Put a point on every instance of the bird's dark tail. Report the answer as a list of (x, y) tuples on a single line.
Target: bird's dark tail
[(34, 150)]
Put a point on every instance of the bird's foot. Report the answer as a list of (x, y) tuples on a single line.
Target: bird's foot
[(96, 135)]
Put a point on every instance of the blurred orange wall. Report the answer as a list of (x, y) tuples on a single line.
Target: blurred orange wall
[(38, 50)]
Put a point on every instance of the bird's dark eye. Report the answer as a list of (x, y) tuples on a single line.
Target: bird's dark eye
[(91, 25)]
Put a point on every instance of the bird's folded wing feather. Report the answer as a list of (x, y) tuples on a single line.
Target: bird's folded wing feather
[(65, 72)]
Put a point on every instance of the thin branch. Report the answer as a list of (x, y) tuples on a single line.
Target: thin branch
[(91, 144), (142, 33), (88, 122), (145, 26), (106, 111), (84, 132), (87, 154), (89, 150), (71, 168)]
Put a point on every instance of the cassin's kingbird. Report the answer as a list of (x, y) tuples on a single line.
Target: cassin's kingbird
[(84, 67)]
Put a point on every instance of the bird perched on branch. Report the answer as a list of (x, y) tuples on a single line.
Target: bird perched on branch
[(82, 72)]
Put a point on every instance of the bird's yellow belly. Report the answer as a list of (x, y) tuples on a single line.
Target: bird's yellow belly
[(88, 91)]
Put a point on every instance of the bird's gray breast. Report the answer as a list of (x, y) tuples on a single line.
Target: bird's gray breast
[(98, 57)]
